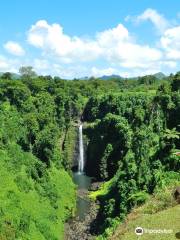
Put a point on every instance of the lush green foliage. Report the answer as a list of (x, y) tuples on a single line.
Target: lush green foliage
[(37, 195), (37, 140), (132, 134), (134, 138)]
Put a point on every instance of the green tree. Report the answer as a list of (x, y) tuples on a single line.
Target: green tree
[(7, 75), (27, 72)]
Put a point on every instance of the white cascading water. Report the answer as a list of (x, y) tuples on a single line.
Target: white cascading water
[(81, 151)]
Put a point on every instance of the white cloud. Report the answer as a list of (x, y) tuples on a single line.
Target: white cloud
[(170, 64), (170, 42), (119, 47), (113, 36), (114, 45), (14, 48), (115, 50), (157, 19), (131, 55), (41, 64), (53, 41), (3, 65), (8, 65)]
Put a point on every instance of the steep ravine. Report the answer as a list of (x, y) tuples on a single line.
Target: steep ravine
[(81, 226)]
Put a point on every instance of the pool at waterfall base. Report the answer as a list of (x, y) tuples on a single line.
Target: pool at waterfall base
[(83, 203)]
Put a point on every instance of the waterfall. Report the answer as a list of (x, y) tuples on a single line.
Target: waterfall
[(81, 151)]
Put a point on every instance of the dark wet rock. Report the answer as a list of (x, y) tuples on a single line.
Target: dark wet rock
[(82, 193), (95, 186), (177, 194), (80, 230)]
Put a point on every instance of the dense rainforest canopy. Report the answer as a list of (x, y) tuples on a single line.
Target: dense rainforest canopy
[(131, 127)]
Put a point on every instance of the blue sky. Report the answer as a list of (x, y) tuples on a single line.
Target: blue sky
[(76, 38)]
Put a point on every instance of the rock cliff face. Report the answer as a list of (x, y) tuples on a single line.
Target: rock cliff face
[(69, 147), (81, 227), (177, 194), (75, 153)]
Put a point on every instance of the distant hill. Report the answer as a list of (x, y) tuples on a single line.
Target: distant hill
[(14, 75), (84, 78), (107, 77), (160, 75)]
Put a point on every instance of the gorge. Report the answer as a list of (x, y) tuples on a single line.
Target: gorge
[(88, 175), (79, 227)]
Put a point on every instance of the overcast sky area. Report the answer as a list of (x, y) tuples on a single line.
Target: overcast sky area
[(77, 38)]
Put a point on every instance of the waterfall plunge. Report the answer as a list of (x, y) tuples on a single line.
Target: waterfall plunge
[(81, 151)]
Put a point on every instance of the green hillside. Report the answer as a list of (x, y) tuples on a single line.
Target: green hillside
[(167, 219), (131, 139)]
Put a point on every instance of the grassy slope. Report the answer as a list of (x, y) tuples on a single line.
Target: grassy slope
[(166, 219), (160, 211)]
